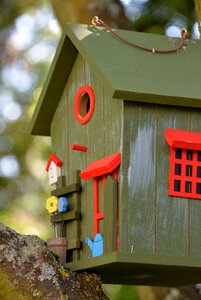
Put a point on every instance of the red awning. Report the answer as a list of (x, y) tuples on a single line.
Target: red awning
[(101, 167), (183, 139)]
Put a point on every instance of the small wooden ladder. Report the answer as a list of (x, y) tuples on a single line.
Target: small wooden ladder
[(68, 224)]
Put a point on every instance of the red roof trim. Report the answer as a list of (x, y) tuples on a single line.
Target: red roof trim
[(101, 167), (183, 139), (58, 162)]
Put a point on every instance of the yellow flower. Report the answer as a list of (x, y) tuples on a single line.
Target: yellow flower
[(52, 204)]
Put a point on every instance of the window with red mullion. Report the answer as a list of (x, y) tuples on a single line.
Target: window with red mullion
[(185, 173)]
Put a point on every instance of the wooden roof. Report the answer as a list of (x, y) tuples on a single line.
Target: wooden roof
[(127, 72)]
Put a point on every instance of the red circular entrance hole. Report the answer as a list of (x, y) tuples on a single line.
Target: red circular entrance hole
[(84, 104)]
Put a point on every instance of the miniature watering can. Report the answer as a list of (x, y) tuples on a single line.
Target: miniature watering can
[(96, 246)]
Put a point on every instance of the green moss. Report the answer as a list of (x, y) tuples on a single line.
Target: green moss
[(9, 290)]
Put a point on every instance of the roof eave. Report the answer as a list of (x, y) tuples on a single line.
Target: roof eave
[(75, 40), (66, 53), (53, 87), (157, 99)]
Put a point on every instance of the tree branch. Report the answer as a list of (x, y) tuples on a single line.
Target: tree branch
[(83, 11), (198, 13), (28, 270)]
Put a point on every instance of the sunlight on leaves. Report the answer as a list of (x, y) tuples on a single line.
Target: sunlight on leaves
[(9, 166)]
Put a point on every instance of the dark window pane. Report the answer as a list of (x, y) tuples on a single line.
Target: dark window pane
[(188, 187), (178, 153), (198, 188), (199, 155), (177, 185), (189, 171), (177, 169), (189, 154), (199, 172)]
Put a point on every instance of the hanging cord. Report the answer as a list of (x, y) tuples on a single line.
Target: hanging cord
[(184, 34)]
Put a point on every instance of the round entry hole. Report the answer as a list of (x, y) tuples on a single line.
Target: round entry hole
[(84, 104)]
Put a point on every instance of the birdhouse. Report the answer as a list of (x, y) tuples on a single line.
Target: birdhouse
[(53, 168), (126, 124)]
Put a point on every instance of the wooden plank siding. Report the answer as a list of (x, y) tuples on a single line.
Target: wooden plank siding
[(95, 139), (110, 213), (76, 135), (138, 186), (102, 135), (151, 221), (195, 206), (172, 212)]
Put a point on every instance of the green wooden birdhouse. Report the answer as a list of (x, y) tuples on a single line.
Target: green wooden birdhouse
[(125, 126)]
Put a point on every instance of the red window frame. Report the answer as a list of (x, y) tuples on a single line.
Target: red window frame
[(185, 163), (185, 173)]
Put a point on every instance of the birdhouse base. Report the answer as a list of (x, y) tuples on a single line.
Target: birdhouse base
[(138, 269)]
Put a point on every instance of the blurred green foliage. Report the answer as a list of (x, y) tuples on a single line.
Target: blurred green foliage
[(157, 15), (120, 292), (29, 33), (32, 34)]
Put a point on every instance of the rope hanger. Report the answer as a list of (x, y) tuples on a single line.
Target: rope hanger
[(184, 34)]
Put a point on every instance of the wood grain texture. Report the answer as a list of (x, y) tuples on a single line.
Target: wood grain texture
[(95, 140), (137, 75), (141, 269), (138, 195), (76, 160), (66, 189), (195, 205), (150, 221), (126, 72), (58, 134), (110, 214), (64, 217), (53, 87), (171, 212), (167, 224), (124, 185), (102, 136)]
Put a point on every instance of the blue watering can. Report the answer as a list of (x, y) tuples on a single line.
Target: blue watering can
[(96, 246)]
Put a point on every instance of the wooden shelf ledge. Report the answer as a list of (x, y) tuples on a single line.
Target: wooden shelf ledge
[(65, 190), (65, 217)]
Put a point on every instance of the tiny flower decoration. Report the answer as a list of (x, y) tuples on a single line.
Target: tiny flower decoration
[(52, 204), (62, 204)]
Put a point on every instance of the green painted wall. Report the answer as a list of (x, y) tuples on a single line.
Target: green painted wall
[(102, 136), (152, 222)]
